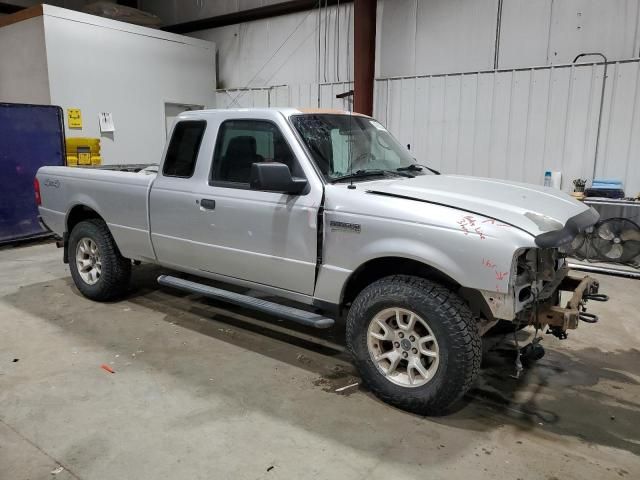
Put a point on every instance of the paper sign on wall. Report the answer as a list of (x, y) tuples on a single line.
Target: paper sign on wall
[(74, 118), (106, 122)]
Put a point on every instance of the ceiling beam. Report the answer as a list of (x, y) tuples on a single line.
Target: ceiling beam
[(10, 8), (260, 13), (21, 15)]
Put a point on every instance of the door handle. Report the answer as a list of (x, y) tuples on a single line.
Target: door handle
[(208, 204)]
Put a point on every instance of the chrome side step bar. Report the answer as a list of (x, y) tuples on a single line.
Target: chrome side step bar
[(303, 317)]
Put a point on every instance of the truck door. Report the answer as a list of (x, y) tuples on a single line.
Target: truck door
[(213, 222)]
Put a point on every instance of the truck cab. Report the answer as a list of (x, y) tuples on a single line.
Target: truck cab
[(207, 217)]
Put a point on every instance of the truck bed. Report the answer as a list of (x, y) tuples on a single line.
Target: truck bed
[(120, 197)]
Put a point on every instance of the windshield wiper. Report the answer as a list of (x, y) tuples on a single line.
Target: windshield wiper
[(417, 167), (368, 173)]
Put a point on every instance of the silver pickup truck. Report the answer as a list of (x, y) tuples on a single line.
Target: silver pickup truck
[(327, 209)]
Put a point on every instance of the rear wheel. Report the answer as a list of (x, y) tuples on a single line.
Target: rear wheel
[(415, 343), (98, 269)]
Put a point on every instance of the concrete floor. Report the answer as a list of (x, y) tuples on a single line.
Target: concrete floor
[(202, 390)]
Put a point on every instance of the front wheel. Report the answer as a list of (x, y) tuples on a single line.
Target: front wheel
[(415, 343), (98, 269)]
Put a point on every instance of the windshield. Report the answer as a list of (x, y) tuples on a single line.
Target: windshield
[(353, 146)]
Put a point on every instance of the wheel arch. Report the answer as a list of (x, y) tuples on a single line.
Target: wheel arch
[(380, 267), (79, 213)]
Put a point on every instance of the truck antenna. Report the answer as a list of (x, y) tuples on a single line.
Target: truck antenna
[(350, 141)]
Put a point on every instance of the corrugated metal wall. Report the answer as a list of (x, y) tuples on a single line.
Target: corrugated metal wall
[(544, 32), (511, 124), (515, 124), (425, 37), (301, 48), (540, 113), (297, 96), (417, 37)]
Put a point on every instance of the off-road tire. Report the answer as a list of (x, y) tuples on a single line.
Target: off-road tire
[(451, 322), (116, 270)]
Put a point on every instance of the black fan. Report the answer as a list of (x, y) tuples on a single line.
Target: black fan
[(577, 246), (617, 240)]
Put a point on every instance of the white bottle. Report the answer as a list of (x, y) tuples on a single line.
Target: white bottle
[(547, 178)]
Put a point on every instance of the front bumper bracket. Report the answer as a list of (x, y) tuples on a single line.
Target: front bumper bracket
[(567, 318)]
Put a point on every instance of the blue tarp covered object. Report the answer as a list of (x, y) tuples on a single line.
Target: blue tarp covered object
[(30, 136)]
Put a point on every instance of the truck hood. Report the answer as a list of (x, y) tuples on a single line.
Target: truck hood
[(534, 209)]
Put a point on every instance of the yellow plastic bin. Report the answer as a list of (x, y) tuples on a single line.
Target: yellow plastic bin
[(83, 151)]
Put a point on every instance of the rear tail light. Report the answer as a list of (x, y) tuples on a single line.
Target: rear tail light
[(36, 188)]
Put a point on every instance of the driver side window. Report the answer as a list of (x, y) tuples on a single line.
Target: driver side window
[(241, 143)]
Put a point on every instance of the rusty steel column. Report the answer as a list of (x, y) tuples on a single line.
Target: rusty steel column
[(364, 58)]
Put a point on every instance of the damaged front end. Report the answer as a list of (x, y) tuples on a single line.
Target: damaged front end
[(542, 281), (542, 285)]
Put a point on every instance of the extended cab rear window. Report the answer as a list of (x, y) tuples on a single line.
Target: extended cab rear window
[(183, 148)]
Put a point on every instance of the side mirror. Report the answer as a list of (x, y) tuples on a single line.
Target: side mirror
[(275, 177)]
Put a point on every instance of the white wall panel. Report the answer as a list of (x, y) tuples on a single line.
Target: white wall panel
[(500, 121), (294, 96), (467, 126), (512, 124), (396, 37), (544, 32), (435, 128), (524, 33), (99, 65), (243, 98), (279, 96), (418, 37), (517, 131), (579, 26), (454, 35), (297, 58), (483, 122), (328, 94), (23, 63), (414, 37), (301, 48), (303, 95), (619, 153), (515, 124)]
